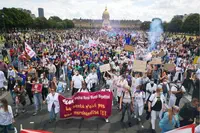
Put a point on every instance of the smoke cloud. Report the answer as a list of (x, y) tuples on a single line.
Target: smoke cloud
[(155, 33)]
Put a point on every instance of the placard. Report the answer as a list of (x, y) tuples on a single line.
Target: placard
[(169, 67), (139, 66), (129, 48), (161, 53), (104, 68), (156, 61)]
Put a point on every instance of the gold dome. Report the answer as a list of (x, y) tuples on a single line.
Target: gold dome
[(106, 14)]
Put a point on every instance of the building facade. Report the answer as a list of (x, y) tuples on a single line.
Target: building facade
[(40, 12)]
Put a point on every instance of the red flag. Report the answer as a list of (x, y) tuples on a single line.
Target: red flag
[(33, 131), (185, 129)]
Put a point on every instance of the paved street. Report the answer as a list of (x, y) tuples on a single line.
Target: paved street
[(78, 125)]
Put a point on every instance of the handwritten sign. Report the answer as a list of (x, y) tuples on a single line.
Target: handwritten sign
[(156, 61), (86, 105), (129, 48), (104, 68), (169, 67), (161, 53), (139, 66)]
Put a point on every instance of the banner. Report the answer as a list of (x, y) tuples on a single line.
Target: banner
[(33, 131), (139, 66), (185, 129), (86, 105), (129, 48), (161, 53), (29, 51), (104, 68)]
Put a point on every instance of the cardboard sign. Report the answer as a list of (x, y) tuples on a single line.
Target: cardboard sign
[(129, 48), (156, 61), (169, 67), (139, 66), (161, 53), (104, 68)]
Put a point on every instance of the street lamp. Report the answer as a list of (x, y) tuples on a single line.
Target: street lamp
[(4, 27)]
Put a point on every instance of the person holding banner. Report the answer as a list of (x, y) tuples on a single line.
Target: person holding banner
[(126, 104), (53, 104), (156, 105)]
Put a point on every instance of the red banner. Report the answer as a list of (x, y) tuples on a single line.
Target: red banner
[(185, 129), (33, 131), (86, 105)]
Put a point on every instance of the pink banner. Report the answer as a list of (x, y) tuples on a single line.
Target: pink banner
[(86, 105)]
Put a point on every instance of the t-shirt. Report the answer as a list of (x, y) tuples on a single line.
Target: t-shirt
[(77, 81), (158, 105)]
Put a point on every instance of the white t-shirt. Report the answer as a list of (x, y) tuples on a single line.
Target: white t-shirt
[(176, 89), (77, 81)]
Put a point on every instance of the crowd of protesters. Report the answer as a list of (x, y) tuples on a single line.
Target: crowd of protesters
[(69, 61)]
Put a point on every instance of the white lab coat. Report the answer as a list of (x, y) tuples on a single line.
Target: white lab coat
[(2, 79), (53, 99), (91, 79), (151, 89)]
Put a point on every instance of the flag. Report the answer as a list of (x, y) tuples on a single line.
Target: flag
[(185, 129), (29, 51), (33, 131)]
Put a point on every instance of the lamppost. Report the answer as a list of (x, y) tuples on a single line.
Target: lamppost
[(4, 27)]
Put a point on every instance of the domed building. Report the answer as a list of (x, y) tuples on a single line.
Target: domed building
[(106, 19)]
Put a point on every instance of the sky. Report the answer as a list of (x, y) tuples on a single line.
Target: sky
[(143, 10)]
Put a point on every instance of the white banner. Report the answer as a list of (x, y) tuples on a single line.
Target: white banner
[(185, 129), (29, 51)]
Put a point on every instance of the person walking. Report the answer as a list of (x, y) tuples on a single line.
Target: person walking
[(92, 80), (126, 101), (29, 89), (77, 81), (7, 118), (11, 85), (156, 105), (53, 104)]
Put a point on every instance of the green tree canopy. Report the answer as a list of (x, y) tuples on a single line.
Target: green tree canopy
[(145, 25), (175, 24)]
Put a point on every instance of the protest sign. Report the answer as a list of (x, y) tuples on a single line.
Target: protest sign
[(86, 105), (156, 61), (169, 67), (129, 48), (29, 51), (139, 66), (185, 129), (104, 68), (161, 53)]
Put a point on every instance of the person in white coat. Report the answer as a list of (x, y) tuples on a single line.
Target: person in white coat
[(150, 89), (53, 104), (156, 105), (176, 91), (92, 80), (2, 80), (139, 100)]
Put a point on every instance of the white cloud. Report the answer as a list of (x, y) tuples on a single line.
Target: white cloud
[(118, 9)]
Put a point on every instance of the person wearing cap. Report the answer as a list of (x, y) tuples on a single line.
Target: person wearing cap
[(126, 104), (170, 120), (177, 91), (156, 105)]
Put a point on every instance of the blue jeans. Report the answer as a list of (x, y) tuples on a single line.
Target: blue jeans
[(51, 75), (126, 107), (37, 100), (52, 114), (6, 128), (13, 96)]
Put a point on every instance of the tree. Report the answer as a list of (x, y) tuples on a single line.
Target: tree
[(41, 23), (175, 24), (145, 25), (165, 26), (191, 23)]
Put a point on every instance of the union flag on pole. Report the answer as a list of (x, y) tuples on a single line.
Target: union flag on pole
[(185, 129), (29, 50), (33, 131)]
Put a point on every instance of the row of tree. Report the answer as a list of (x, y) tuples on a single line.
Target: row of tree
[(179, 23), (15, 18)]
